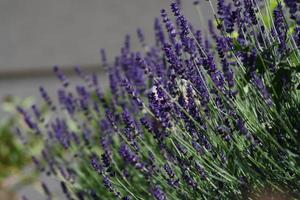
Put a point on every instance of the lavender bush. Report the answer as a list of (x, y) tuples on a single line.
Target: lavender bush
[(196, 115)]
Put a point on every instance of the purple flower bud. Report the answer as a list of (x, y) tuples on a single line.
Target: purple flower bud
[(46, 190), (198, 147), (158, 193), (28, 120), (103, 57), (96, 164), (200, 169), (37, 164), (66, 190), (189, 180), (221, 8), (107, 183), (141, 37), (250, 12), (175, 9), (61, 131), (132, 93), (173, 59), (258, 82), (169, 26), (67, 101), (36, 112), (280, 27), (128, 155), (61, 76), (160, 105), (126, 198), (159, 33), (130, 130), (241, 126), (293, 8), (20, 135), (46, 98), (169, 170), (80, 195)]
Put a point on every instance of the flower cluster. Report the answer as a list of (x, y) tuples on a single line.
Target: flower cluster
[(196, 115)]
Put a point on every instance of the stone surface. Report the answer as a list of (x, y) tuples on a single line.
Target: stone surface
[(35, 33)]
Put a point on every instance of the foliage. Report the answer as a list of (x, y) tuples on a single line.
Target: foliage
[(12, 157)]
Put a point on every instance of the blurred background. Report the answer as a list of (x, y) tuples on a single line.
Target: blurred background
[(37, 34)]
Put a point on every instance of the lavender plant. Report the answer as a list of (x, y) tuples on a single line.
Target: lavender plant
[(194, 116)]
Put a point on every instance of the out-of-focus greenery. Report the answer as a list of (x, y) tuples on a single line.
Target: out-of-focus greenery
[(13, 155)]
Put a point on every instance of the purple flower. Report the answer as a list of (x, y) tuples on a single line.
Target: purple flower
[(196, 77), (198, 147), (36, 112), (46, 190), (221, 8), (37, 164), (103, 57), (181, 148), (130, 90), (173, 59), (169, 26), (27, 118), (84, 99), (169, 170), (241, 126), (250, 14), (128, 155), (200, 169), (46, 98), (158, 193), (280, 27), (67, 101), (80, 195), (48, 157), (130, 129), (293, 8), (222, 47), (86, 133), (175, 9), (159, 33), (126, 198), (96, 164), (160, 105), (141, 37), (297, 35), (258, 82), (190, 180), (66, 190), (61, 131), (61, 76), (107, 183)]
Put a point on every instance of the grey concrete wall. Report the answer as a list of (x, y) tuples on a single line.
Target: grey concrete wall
[(66, 32)]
